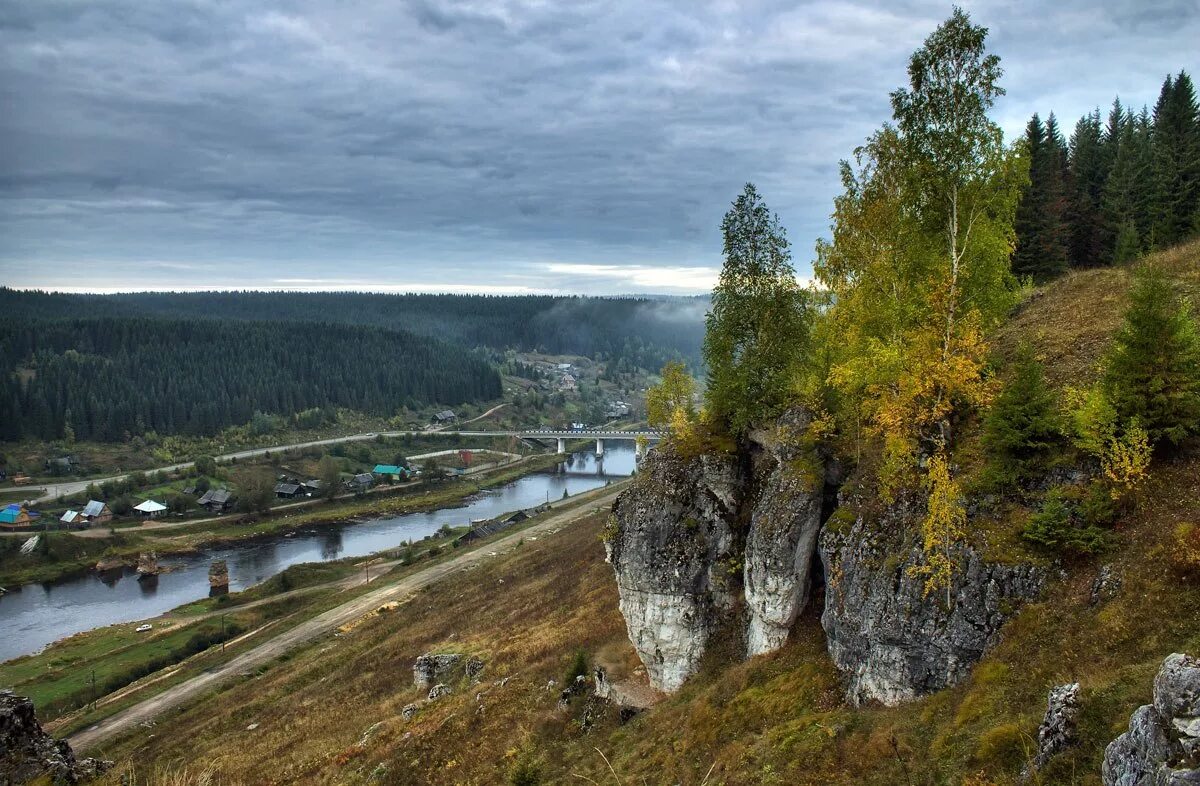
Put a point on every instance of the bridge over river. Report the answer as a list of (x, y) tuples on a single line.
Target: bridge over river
[(562, 435)]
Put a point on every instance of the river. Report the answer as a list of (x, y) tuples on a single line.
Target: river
[(35, 615)]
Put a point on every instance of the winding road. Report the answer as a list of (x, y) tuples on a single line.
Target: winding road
[(55, 490)]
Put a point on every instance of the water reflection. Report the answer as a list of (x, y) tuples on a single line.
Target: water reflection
[(35, 615)]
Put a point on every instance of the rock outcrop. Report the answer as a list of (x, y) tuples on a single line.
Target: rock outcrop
[(891, 641), (429, 669), (1162, 745), (695, 536), (1059, 727), (673, 543), (782, 539), (28, 753)]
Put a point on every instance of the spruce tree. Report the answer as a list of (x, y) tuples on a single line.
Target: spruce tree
[(1088, 174), (1029, 209), (1023, 427), (1176, 160), (757, 329), (1126, 191), (1152, 372)]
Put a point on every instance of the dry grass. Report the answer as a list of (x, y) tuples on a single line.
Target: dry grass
[(1071, 320), (331, 714)]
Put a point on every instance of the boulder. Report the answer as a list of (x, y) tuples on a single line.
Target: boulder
[(438, 691), (28, 753), (148, 564), (410, 711), (1162, 744), (429, 669)]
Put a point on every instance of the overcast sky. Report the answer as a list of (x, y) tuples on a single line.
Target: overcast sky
[(522, 145)]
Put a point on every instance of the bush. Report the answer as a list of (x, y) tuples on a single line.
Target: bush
[(525, 771), (578, 668)]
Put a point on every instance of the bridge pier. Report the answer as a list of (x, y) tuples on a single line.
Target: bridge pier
[(639, 449), (562, 445), (599, 446)]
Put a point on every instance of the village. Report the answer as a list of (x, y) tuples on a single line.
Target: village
[(566, 392)]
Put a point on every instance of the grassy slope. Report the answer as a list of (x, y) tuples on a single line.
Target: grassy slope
[(775, 719)]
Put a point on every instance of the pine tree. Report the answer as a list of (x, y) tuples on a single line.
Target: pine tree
[(1176, 160), (1023, 426), (1152, 373)]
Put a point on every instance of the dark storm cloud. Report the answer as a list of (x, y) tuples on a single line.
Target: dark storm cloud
[(494, 145)]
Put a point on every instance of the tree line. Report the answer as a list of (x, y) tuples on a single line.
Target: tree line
[(108, 379), (1119, 187), (644, 332)]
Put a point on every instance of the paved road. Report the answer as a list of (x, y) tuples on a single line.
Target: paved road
[(67, 488), (321, 625)]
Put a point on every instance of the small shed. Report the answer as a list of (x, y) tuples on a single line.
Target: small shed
[(362, 481), (313, 486), (72, 518), (445, 416), (150, 508)]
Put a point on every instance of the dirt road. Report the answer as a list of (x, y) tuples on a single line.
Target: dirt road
[(321, 625)]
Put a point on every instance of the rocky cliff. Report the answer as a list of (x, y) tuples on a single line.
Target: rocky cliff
[(786, 499), (739, 540), (673, 545), (891, 641)]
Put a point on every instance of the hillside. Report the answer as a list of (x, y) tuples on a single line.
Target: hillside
[(334, 712)]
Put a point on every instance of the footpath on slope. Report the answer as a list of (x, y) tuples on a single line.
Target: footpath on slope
[(320, 625)]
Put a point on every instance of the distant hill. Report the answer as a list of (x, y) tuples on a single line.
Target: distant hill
[(646, 332), (104, 378)]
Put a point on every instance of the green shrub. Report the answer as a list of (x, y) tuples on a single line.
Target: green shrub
[(1060, 527), (1152, 372), (578, 668), (1023, 428)]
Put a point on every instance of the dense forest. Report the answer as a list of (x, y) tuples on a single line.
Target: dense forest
[(644, 332), (1116, 189), (105, 379)]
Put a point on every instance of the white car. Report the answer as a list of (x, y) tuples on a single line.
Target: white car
[(143, 628)]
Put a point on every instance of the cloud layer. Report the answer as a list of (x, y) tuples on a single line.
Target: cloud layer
[(509, 146)]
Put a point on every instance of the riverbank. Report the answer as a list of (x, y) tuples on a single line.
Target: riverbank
[(63, 555), (130, 667)]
